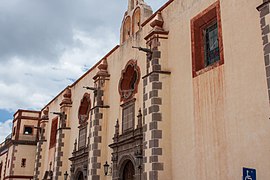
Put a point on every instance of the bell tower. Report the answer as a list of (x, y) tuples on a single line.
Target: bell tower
[(138, 11)]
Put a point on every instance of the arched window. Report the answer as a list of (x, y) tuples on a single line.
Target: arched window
[(129, 81), (128, 86), (83, 115), (84, 108)]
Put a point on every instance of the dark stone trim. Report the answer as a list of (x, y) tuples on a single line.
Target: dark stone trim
[(18, 177), (13, 158), (262, 5), (158, 72), (265, 30), (105, 107), (38, 158), (59, 152), (265, 10), (16, 142), (96, 126)]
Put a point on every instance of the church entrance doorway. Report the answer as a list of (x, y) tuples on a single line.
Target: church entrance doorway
[(80, 176), (129, 171)]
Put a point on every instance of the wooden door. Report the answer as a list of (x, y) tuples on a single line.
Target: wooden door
[(129, 171)]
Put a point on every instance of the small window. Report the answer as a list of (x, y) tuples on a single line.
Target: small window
[(23, 163), (28, 130), (82, 137), (128, 115), (206, 37)]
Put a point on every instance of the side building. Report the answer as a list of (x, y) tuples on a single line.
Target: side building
[(17, 152)]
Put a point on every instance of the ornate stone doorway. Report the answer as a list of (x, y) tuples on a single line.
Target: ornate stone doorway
[(128, 171)]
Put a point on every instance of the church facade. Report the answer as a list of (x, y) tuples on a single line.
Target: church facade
[(184, 96)]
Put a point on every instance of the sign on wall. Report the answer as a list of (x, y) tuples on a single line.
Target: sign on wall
[(249, 174)]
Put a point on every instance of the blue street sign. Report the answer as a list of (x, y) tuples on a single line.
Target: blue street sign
[(249, 174)]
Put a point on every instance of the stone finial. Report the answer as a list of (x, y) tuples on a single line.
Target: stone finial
[(45, 114), (139, 116), (67, 97), (157, 23), (157, 28), (75, 146), (103, 66), (116, 133), (102, 74)]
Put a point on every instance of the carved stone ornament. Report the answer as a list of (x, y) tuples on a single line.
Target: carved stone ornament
[(157, 28), (67, 97), (103, 68), (130, 77), (45, 114), (84, 108)]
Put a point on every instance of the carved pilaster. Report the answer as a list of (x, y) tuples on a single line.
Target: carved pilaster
[(96, 121), (41, 144), (63, 134), (152, 114)]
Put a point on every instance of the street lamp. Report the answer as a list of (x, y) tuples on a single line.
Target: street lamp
[(106, 168), (66, 175)]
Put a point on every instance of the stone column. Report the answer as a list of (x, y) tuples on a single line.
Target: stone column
[(153, 115), (41, 145), (95, 151), (264, 11), (62, 137)]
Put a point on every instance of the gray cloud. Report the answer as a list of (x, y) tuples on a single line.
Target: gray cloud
[(45, 45), (43, 30)]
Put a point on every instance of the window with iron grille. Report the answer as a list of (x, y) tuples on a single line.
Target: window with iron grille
[(206, 37), (211, 47), (128, 116), (82, 137)]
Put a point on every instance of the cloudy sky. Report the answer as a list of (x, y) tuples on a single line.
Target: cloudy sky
[(46, 45)]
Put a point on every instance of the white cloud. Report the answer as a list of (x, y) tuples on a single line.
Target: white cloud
[(46, 45), (29, 85), (5, 129)]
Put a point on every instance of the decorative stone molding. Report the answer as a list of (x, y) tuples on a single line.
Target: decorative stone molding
[(157, 27), (96, 121), (84, 109), (40, 144), (152, 102), (264, 10), (45, 114), (67, 97), (127, 147), (102, 74), (79, 161), (128, 83)]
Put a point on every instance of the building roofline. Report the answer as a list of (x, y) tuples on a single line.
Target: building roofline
[(85, 74), (24, 110), (95, 65)]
